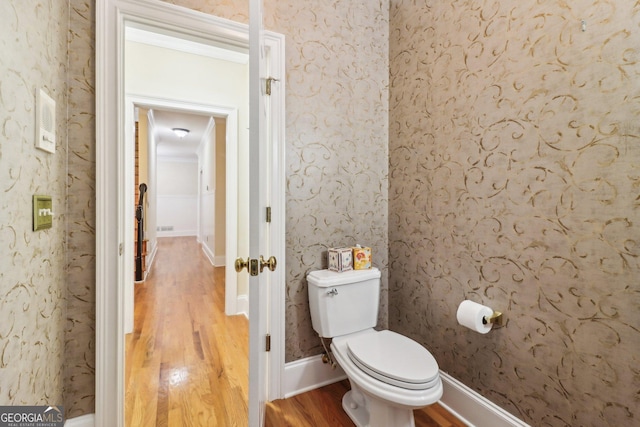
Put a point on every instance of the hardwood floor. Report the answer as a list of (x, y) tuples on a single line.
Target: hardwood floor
[(323, 407), (187, 363)]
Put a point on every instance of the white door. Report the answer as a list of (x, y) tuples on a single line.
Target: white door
[(266, 219), (259, 233)]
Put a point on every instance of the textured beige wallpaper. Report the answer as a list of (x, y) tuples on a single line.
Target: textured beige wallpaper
[(515, 182), (337, 143), (234, 10), (80, 329), (33, 42)]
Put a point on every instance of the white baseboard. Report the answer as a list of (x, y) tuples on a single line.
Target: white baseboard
[(216, 261), (308, 374), (151, 257), (208, 253), (242, 305), (178, 233), (472, 408), (88, 420)]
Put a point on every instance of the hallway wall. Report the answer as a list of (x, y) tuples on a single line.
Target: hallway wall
[(515, 176), (177, 197), (33, 42), (220, 214)]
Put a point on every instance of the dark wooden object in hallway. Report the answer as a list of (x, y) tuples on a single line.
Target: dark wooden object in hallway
[(187, 362)]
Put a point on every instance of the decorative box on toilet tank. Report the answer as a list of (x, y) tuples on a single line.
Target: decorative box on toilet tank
[(340, 259)]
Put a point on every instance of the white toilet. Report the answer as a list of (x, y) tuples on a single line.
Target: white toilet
[(390, 374)]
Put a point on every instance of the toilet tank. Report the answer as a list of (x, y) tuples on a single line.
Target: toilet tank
[(343, 303)]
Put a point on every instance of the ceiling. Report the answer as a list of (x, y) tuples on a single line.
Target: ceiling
[(168, 144)]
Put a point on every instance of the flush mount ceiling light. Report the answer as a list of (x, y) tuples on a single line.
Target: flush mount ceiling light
[(180, 132)]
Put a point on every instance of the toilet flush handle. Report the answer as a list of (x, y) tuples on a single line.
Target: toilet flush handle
[(332, 292)]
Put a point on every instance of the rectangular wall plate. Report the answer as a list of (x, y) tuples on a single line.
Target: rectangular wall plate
[(42, 212), (45, 122)]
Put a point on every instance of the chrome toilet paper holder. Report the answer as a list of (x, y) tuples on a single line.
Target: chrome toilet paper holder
[(495, 318)]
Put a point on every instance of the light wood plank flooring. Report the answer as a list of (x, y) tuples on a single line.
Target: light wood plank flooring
[(187, 363), (323, 407)]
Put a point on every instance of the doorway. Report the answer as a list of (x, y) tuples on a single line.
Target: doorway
[(215, 84), (111, 19), (232, 188), (182, 347)]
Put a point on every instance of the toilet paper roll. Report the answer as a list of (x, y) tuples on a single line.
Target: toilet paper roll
[(470, 314)]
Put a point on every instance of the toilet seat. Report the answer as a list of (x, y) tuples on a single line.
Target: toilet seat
[(378, 390), (394, 359)]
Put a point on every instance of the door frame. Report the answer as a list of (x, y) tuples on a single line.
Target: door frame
[(112, 17), (231, 188)]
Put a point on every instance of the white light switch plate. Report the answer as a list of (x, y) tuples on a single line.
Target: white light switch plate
[(45, 122)]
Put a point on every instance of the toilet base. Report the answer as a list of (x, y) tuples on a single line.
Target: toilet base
[(365, 411), (357, 412)]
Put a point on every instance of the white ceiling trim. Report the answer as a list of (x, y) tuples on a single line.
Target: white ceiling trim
[(168, 42)]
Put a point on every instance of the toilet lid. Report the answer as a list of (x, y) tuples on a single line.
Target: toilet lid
[(394, 359)]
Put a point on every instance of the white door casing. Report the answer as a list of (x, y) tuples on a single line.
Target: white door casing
[(231, 202), (112, 16), (274, 47)]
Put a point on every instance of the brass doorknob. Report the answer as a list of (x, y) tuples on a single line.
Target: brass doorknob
[(240, 264), (271, 263)]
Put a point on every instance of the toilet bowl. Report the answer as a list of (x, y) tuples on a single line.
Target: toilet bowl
[(390, 374)]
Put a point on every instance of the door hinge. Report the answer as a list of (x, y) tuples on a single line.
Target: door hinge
[(269, 81), (268, 213), (267, 343), (120, 249)]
